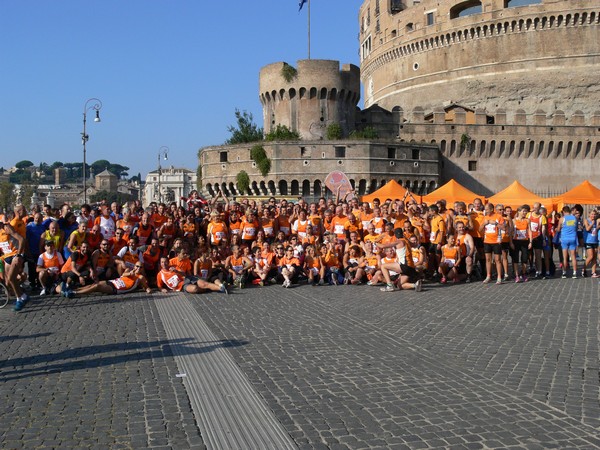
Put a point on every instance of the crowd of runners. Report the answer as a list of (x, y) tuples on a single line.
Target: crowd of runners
[(202, 246)]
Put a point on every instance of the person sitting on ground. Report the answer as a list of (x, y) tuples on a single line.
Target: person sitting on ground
[(169, 278), (129, 255), (314, 267), (354, 265), (290, 267), (77, 271), (408, 278), (451, 260), (103, 262), (129, 281), (48, 267), (237, 267)]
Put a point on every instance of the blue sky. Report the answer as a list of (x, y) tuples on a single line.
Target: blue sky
[(168, 72)]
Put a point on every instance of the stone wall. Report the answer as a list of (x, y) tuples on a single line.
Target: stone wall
[(537, 56), (300, 168), (548, 153)]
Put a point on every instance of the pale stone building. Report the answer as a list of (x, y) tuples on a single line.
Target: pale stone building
[(168, 184)]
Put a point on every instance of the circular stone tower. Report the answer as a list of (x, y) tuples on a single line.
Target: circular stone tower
[(489, 54), (310, 97)]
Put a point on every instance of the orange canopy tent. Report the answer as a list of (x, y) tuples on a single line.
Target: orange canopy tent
[(451, 192), (585, 194), (391, 190), (516, 195)]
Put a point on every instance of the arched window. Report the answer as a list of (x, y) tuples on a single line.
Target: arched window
[(465, 8)]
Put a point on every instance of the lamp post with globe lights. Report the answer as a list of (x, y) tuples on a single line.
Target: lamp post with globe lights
[(96, 105)]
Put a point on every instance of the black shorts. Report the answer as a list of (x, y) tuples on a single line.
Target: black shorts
[(505, 246), (190, 280), (496, 249), (591, 246), (462, 267), (410, 272), (522, 249), (478, 242), (538, 243)]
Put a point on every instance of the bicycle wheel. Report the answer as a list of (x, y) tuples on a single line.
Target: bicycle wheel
[(3, 296)]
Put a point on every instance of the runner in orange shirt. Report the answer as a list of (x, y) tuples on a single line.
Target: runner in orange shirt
[(171, 279), (521, 245), (451, 260), (129, 281), (492, 238)]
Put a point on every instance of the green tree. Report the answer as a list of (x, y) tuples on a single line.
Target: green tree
[(119, 170), (27, 192), (100, 166), (20, 176), (366, 133), (259, 156), (334, 131), (24, 164), (7, 195), (282, 133), (110, 197), (246, 130), (243, 181), (56, 165)]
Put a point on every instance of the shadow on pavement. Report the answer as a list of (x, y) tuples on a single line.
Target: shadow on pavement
[(82, 358), (16, 337)]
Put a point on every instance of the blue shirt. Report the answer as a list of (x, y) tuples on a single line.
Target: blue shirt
[(568, 231), (33, 233)]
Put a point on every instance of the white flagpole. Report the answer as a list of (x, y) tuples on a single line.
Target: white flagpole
[(308, 29)]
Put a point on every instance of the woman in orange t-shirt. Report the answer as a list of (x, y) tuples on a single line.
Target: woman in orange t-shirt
[(491, 223), (451, 259)]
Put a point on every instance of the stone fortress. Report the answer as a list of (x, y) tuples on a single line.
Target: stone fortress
[(318, 95), (483, 92), (508, 89)]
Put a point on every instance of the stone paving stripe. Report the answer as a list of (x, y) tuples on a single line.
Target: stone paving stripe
[(229, 411)]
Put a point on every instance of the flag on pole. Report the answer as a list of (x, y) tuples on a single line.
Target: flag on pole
[(301, 4)]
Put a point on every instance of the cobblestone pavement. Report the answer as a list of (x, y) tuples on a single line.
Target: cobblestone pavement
[(91, 373), (467, 366)]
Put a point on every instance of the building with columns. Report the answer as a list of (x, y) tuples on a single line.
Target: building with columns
[(168, 184)]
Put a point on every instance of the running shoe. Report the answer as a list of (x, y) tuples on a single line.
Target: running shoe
[(388, 288), (419, 286), (517, 279), (18, 305), (487, 280)]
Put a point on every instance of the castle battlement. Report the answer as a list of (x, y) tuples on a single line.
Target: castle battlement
[(544, 55), (315, 94)]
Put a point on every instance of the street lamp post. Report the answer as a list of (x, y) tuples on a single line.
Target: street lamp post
[(164, 152), (96, 105)]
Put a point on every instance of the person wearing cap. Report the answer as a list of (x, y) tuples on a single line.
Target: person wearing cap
[(48, 267)]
